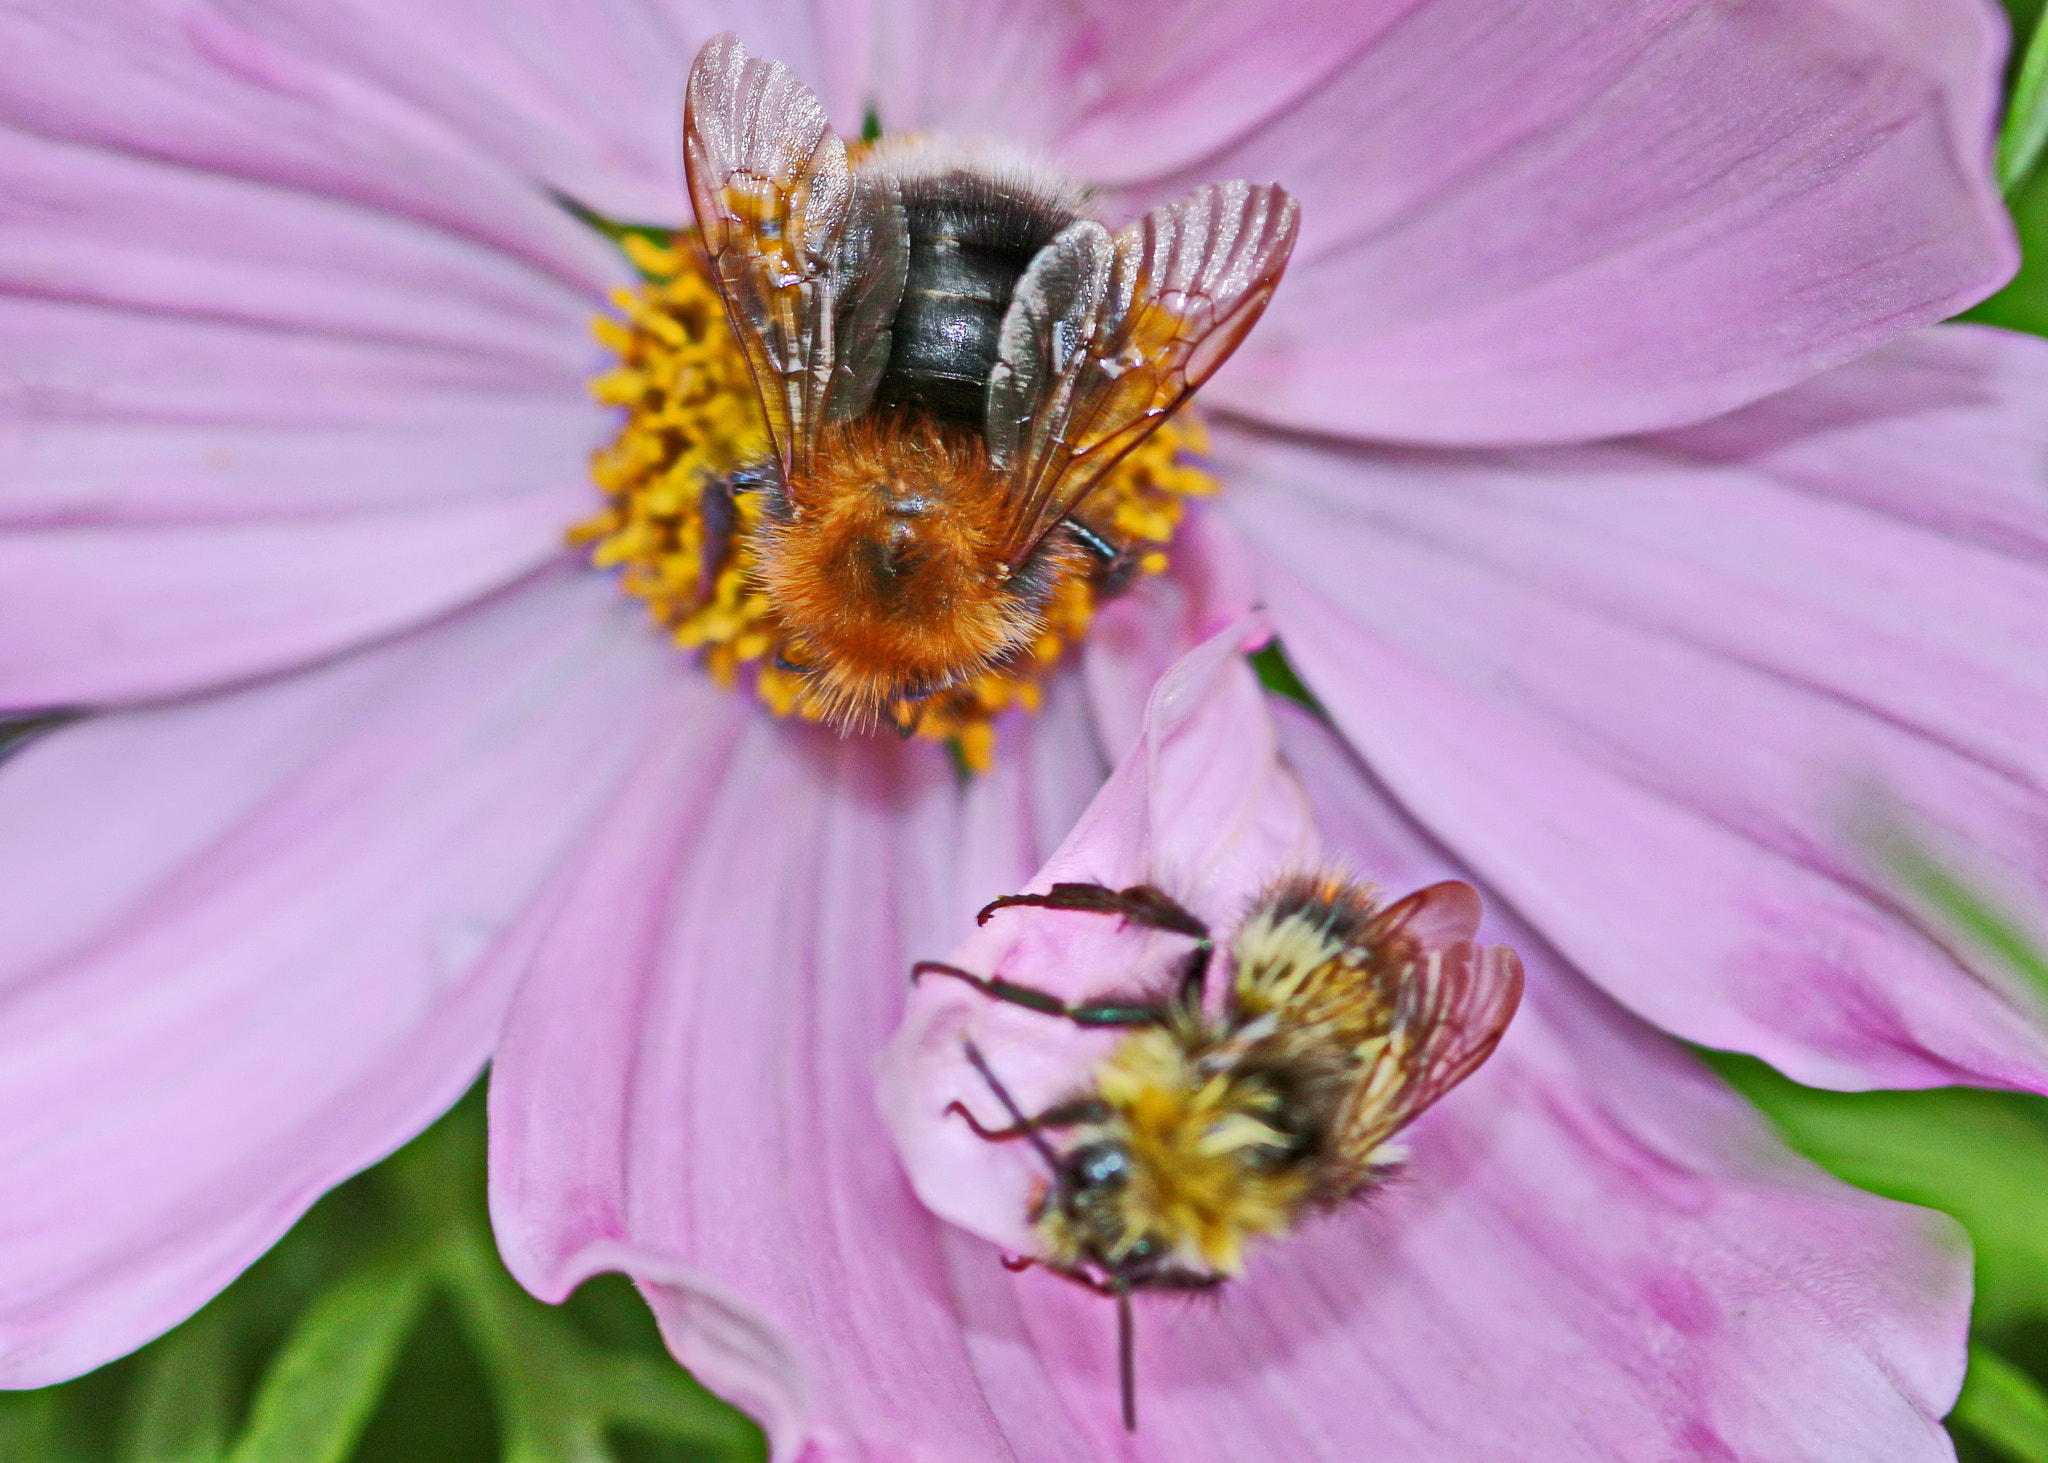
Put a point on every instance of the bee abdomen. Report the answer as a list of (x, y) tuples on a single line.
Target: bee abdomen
[(971, 239), (945, 338)]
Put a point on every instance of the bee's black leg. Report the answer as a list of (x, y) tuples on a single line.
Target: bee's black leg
[(721, 519), (1089, 1013), (1194, 975), (1064, 1115), (1094, 542), (1141, 904), (1116, 564), (1127, 1358)]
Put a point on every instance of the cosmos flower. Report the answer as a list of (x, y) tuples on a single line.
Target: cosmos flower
[(385, 781), (1586, 1226)]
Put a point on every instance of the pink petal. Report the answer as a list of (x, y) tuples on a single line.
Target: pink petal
[(1597, 1251), (1665, 706), (683, 1092), (255, 942), (586, 98), (249, 427), (188, 85), (1594, 1227), (1123, 92), (1546, 223), (1211, 581), (686, 1071), (103, 615), (1201, 807)]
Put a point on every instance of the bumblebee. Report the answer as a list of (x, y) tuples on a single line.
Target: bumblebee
[(1211, 1125), (950, 355)]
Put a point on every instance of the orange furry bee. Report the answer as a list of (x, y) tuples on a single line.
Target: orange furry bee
[(1206, 1128), (950, 356)]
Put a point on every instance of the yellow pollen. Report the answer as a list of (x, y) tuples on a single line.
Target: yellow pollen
[(690, 418)]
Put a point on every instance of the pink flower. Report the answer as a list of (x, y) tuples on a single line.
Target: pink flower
[(294, 350), (1586, 1209)]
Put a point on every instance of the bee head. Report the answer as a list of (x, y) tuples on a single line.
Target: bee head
[(1103, 1217)]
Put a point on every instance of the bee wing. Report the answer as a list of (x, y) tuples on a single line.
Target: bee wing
[(1441, 915), (1454, 1005), (1107, 334), (809, 256)]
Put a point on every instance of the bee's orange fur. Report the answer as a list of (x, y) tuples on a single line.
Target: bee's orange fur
[(882, 563)]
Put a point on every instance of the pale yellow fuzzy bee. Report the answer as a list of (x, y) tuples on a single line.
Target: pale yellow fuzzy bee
[(1212, 1125)]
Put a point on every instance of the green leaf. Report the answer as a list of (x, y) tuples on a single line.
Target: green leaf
[(1277, 674), (2001, 1405), (325, 1383), (2026, 116), (1980, 1156), (659, 1397), (32, 1428), (181, 1406)]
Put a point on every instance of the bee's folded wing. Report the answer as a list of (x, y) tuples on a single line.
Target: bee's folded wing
[(1108, 334), (810, 257), (1453, 1007)]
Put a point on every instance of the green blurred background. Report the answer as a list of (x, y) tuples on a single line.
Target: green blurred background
[(383, 1328)]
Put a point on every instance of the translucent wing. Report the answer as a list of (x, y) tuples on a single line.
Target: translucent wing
[(1108, 333), (1445, 1004), (809, 257)]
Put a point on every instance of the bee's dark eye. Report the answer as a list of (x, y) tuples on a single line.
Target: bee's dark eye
[(1098, 1166), (1144, 1251)]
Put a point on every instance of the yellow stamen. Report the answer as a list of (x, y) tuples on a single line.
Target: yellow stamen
[(690, 417)]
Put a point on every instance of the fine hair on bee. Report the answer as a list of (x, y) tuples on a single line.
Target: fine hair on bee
[(1217, 1122), (950, 355)]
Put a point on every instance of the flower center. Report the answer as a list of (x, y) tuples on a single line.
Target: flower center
[(687, 545)]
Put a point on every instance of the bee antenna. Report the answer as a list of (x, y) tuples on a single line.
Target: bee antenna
[(1024, 1125), (1127, 1357)]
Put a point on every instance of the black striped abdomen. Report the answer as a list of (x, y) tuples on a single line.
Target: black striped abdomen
[(971, 239)]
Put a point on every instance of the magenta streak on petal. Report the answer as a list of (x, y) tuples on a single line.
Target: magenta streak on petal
[(1657, 703), (257, 941), (1547, 223)]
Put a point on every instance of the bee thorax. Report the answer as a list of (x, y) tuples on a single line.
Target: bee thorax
[(895, 581)]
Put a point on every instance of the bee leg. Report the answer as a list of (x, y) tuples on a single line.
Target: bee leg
[(1141, 904), (1127, 1357), (1194, 975), (1094, 542), (1065, 1115), (905, 717), (1116, 564), (1093, 1013), (721, 518)]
